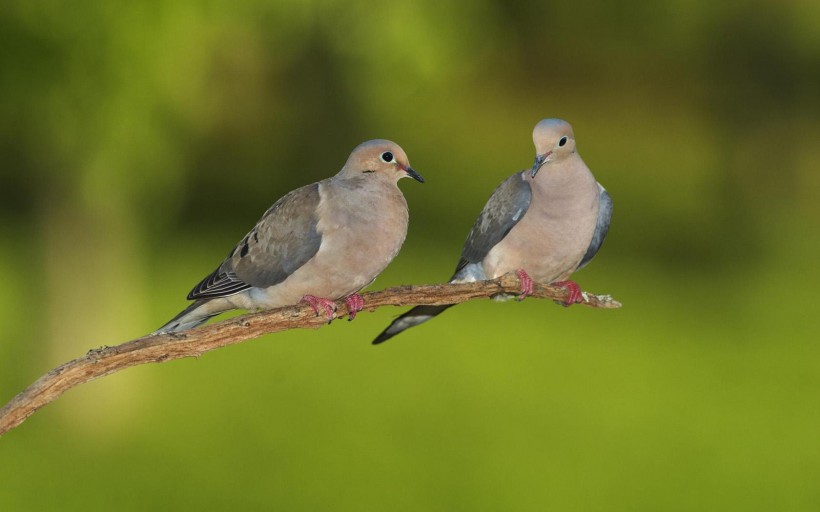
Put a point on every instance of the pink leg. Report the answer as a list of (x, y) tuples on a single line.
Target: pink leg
[(355, 303), (526, 283), (315, 302), (574, 290)]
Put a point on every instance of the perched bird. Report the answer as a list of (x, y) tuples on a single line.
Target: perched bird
[(317, 244), (544, 223)]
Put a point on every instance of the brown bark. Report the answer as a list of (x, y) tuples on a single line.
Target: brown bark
[(156, 349)]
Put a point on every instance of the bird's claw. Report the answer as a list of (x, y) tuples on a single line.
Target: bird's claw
[(354, 303), (574, 293), (327, 305), (527, 284)]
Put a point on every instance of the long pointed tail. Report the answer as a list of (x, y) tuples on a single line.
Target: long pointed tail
[(465, 272), (194, 315), (417, 315)]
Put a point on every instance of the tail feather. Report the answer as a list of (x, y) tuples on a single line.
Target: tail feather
[(417, 315), (188, 318), (465, 272)]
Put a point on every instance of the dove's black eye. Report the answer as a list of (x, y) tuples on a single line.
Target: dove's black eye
[(562, 141), (387, 156)]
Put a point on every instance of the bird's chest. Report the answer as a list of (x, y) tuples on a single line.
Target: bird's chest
[(549, 241), (367, 231)]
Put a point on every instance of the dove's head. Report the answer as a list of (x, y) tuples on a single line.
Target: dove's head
[(380, 159), (554, 141)]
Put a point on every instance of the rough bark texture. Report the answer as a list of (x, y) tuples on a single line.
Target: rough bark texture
[(157, 349)]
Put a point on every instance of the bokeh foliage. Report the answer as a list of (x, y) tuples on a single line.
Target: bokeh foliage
[(140, 140)]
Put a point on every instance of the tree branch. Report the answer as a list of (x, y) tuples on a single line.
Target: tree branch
[(195, 342)]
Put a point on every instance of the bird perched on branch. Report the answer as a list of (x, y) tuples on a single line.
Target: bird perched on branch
[(543, 223), (317, 244)]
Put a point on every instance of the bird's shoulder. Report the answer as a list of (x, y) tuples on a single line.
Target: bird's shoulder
[(283, 240), (505, 208)]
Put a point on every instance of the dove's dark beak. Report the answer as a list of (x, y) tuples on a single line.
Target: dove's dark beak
[(539, 161), (413, 174)]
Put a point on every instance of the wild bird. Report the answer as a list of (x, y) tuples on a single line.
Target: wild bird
[(317, 244), (543, 223)]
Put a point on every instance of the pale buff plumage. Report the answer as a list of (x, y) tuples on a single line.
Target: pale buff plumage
[(545, 223), (327, 240), (552, 238)]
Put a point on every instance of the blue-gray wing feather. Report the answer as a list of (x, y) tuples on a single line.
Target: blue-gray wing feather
[(506, 206), (283, 240), (601, 226)]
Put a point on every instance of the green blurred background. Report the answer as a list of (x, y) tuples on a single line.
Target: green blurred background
[(140, 140)]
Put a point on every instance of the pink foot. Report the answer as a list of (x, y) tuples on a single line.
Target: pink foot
[(574, 290), (355, 303), (315, 302), (526, 283)]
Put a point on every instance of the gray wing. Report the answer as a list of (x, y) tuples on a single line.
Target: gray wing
[(506, 206), (601, 226), (283, 240)]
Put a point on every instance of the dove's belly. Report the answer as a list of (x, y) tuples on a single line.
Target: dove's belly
[(550, 241), (358, 242), (329, 276)]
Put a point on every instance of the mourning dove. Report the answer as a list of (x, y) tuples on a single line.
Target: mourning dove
[(317, 244), (544, 223)]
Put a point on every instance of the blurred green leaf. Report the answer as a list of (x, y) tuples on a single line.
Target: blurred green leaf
[(140, 141)]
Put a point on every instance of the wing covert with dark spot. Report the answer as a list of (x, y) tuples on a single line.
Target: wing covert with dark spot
[(283, 240)]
